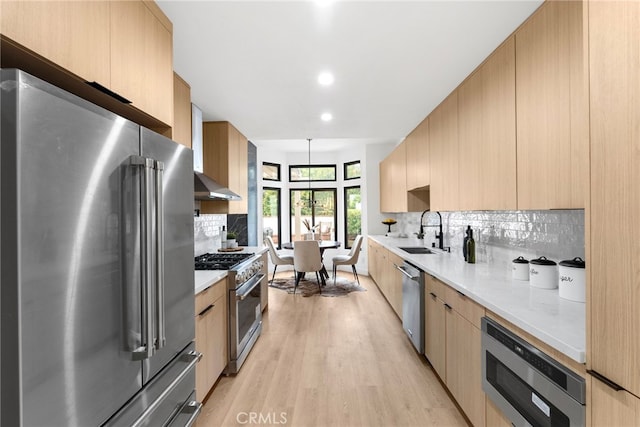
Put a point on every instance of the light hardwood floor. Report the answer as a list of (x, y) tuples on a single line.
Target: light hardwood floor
[(341, 361)]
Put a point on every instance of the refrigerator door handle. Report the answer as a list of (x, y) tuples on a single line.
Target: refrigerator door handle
[(145, 351), (160, 343)]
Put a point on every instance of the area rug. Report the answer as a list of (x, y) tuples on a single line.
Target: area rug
[(308, 288)]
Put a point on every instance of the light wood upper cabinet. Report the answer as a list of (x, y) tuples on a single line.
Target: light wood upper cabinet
[(552, 108), (225, 159), (614, 285), (181, 111), (487, 134), (393, 181), (417, 143), (125, 46), (444, 155), (73, 34), (142, 57)]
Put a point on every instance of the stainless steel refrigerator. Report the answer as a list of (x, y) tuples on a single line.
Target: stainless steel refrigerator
[(96, 298)]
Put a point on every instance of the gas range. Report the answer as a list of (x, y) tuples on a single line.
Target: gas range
[(220, 261), (242, 267)]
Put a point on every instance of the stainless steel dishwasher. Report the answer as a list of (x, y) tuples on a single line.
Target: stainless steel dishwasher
[(413, 304)]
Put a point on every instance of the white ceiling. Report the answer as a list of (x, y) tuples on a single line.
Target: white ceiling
[(255, 63)]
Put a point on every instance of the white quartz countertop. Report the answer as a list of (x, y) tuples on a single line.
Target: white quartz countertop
[(205, 278), (557, 322)]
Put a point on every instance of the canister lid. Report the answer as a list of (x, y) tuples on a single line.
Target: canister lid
[(577, 262), (542, 261), (520, 260)]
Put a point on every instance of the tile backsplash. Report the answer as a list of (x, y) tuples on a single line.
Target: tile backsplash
[(502, 236), (207, 233)]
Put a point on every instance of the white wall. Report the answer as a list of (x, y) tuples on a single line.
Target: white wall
[(369, 155)]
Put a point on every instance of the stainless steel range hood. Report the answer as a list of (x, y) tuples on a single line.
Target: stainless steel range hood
[(205, 188)]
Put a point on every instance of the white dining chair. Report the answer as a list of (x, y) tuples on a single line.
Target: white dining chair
[(307, 258), (349, 259), (276, 258)]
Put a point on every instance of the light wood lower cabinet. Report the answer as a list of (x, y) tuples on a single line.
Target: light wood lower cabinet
[(211, 336), (395, 282), (389, 280), (452, 345), (613, 408), (434, 331)]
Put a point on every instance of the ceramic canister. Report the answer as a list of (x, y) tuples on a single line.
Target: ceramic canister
[(520, 269), (572, 280), (543, 273)]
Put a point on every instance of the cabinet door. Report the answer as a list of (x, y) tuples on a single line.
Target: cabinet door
[(204, 345), (142, 58), (464, 366), (434, 331), (219, 338), (613, 408), (487, 134), (552, 108), (443, 145), (72, 34), (238, 174), (395, 282), (418, 156), (386, 202), (393, 181), (181, 111), (614, 295)]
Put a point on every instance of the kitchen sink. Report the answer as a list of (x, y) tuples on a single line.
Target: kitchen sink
[(417, 250)]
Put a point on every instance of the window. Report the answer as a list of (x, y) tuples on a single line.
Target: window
[(270, 171), (271, 219), (352, 170), (320, 213), (352, 215), (299, 173)]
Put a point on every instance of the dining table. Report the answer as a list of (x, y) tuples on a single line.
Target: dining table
[(324, 245)]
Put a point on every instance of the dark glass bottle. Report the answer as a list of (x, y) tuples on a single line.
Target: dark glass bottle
[(471, 248), (465, 241)]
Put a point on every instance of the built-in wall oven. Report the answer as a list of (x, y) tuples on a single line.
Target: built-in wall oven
[(530, 388)]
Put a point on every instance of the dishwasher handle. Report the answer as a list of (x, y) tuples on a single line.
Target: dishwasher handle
[(403, 271)]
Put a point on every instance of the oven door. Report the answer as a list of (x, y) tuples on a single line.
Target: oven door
[(521, 392), (245, 315)]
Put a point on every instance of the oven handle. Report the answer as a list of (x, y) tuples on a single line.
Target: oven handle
[(244, 290)]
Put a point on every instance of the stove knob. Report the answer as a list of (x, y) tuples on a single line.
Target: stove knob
[(239, 277)]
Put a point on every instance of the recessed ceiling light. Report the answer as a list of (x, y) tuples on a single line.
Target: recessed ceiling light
[(324, 3), (326, 117), (325, 78)]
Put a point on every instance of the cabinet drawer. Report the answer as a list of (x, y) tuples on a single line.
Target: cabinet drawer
[(433, 285), (210, 295), (467, 308)]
